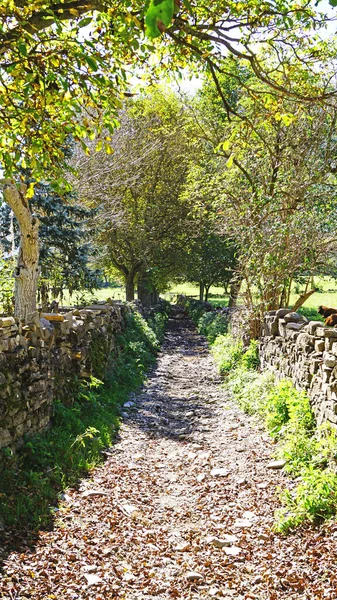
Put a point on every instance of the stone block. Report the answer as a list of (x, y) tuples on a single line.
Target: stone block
[(294, 317), (330, 333), (329, 360), (282, 327), (281, 312), (294, 326), (313, 325), (320, 345)]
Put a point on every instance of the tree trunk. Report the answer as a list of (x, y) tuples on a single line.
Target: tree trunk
[(300, 301), (147, 293), (130, 287), (27, 271), (201, 291), (207, 288), (234, 291)]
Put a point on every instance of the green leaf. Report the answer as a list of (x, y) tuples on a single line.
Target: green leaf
[(91, 62), (158, 17), (22, 48), (85, 22), (188, 6), (333, 2)]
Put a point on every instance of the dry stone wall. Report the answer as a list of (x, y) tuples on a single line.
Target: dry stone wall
[(42, 361), (306, 352)]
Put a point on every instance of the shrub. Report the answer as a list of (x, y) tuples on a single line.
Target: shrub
[(250, 388), (227, 353), (283, 404), (250, 358), (313, 500), (212, 324)]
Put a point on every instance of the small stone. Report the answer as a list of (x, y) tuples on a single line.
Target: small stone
[(128, 576), (249, 515), (219, 472), (128, 404), (201, 477), (232, 551), (89, 493), (226, 540), (182, 547), (129, 509), (276, 464), (191, 455), (329, 360), (92, 579), (243, 523), (263, 485), (194, 576)]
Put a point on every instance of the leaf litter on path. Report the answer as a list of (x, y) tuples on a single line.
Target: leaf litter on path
[(166, 516)]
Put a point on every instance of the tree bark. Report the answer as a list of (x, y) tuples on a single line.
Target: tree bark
[(234, 291), (27, 271), (130, 287), (207, 288), (300, 301), (147, 293), (201, 291)]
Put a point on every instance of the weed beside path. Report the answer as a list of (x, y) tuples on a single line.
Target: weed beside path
[(183, 507)]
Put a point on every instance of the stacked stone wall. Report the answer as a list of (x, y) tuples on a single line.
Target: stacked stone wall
[(306, 352), (43, 361)]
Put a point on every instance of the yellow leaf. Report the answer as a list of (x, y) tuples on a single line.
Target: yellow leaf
[(108, 149), (30, 191), (229, 163), (67, 96)]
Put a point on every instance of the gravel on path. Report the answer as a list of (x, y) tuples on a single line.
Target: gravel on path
[(182, 507)]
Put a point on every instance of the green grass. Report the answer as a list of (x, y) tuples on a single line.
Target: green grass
[(49, 463), (326, 295)]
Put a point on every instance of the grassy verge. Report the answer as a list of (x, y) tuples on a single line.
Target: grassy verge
[(309, 451), (32, 479)]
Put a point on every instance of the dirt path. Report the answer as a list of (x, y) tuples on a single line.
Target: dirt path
[(189, 467)]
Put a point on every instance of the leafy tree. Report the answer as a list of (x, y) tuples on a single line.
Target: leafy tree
[(143, 220), (275, 185), (65, 65), (210, 257)]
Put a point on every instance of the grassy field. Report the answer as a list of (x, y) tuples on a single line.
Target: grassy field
[(326, 295)]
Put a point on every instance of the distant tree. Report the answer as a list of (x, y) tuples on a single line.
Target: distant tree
[(142, 220), (210, 261)]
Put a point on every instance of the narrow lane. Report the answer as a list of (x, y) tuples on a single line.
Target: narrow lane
[(182, 507)]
